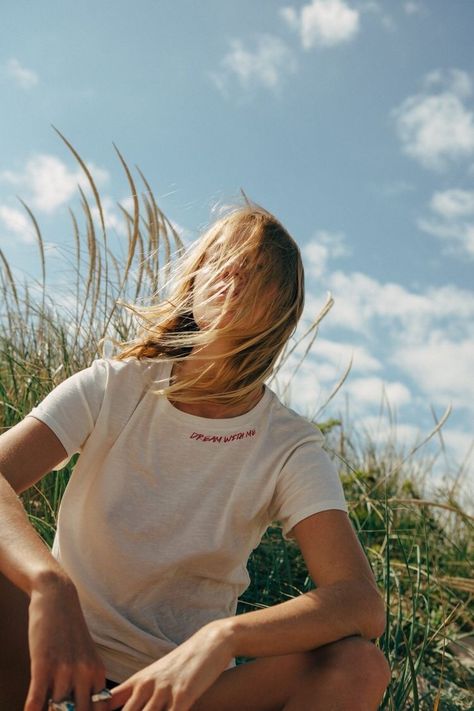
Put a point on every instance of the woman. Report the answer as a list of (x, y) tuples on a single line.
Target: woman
[(186, 458)]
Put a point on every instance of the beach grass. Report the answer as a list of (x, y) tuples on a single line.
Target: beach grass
[(419, 546)]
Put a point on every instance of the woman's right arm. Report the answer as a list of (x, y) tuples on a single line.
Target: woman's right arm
[(28, 451), (63, 656)]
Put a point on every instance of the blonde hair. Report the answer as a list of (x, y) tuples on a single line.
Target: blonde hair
[(254, 324)]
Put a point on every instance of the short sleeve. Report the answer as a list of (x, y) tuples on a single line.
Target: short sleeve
[(308, 483), (72, 408)]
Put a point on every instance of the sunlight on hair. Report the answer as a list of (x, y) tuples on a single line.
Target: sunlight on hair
[(241, 285)]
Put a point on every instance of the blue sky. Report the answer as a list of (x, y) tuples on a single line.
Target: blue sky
[(352, 121)]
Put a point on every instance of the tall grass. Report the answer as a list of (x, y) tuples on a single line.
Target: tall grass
[(420, 550)]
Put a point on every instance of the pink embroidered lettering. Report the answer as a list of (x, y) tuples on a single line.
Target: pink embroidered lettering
[(222, 438)]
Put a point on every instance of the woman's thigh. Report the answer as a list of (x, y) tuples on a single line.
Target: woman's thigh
[(351, 669), (14, 656), (261, 685)]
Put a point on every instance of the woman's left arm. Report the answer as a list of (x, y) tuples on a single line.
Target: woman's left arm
[(346, 602)]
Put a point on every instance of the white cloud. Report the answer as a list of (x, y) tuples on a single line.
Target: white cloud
[(50, 182), (308, 385), (458, 237), (411, 349), (300, 389), (363, 304), (323, 23), (452, 220), (460, 446), (459, 441), (440, 367), (18, 223), (455, 81), (372, 391), (265, 66), (360, 299), (427, 335), (453, 203), (394, 439), (113, 220), (435, 126), (313, 376), (117, 219), (128, 204), (25, 78), (324, 246), (339, 355)]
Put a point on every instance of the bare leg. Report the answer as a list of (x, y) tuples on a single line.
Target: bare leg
[(349, 675), (14, 657)]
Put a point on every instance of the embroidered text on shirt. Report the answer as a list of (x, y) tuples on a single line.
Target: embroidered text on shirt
[(222, 438)]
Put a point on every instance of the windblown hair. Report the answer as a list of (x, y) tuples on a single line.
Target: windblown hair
[(246, 274)]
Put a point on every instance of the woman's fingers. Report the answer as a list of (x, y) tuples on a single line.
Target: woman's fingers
[(163, 703), (156, 705), (82, 694), (137, 701), (120, 695), (149, 697), (100, 686), (88, 682), (82, 697), (65, 686), (62, 683), (138, 696), (37, 693)]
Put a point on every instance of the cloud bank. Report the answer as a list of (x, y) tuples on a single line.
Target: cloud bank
[(436, 126), (264, 66), (323, 23)]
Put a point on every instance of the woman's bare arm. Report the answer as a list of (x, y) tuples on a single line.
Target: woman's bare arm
[(28, 451), (346, 601), (63, 656)]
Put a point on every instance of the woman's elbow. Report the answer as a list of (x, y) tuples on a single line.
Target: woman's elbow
[(375, 617)]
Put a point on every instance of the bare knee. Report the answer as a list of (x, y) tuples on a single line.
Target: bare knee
[(356, 663)]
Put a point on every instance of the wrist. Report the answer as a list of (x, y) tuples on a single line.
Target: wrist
[(51, 581), (220, 633), (224, 632)]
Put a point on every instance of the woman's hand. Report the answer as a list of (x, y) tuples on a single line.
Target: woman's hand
[(64, 661), (177, 680)]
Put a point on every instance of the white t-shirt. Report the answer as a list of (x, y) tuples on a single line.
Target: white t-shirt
[(164, 508)]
